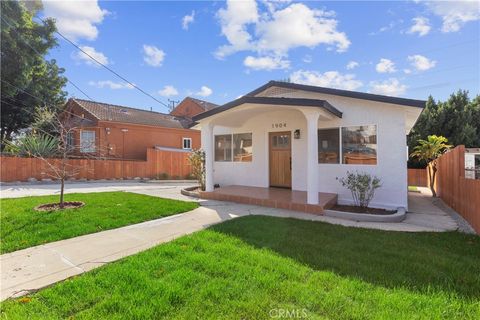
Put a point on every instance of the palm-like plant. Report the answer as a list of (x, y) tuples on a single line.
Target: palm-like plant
[(33, 145), (429, 150)]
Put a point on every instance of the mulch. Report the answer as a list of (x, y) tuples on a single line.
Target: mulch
[(56, 206), (356, 209)]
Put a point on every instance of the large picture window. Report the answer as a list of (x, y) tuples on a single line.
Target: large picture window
[(87, 141), (234, 147), (329, 145), (359, 145), (242, 147), (223, 147)]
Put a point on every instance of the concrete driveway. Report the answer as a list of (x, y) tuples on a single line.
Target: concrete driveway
[(30, 269)]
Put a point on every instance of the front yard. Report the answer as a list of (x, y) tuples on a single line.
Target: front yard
[(259, 267), (23, 227)]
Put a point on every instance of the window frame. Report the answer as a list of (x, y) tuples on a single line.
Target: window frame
[(232, 158), (233, 143), (184, 139), (340, 141), (91, 149), (339, 131)]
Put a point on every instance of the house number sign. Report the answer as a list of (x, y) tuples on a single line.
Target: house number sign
[(279, 125)]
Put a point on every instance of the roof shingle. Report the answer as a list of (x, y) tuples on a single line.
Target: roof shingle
[(116, 113)]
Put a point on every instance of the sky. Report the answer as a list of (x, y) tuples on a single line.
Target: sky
[(218, 51)]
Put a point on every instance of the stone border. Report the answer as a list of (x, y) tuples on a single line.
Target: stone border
[(189, 192), (398, 216)]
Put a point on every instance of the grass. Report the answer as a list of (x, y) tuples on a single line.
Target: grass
[(254, 267), (413, 189), (23, 227)]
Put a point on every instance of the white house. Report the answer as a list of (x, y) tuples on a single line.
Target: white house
[(303, 137)]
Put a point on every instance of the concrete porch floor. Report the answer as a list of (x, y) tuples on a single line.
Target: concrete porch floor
[(272, 197)]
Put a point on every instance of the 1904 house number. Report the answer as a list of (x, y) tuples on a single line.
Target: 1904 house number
[(279, 125)]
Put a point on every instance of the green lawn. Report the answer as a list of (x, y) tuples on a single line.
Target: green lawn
[(23, 227), (254, 267)]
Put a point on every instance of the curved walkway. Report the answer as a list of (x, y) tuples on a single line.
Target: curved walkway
[(33, 268)]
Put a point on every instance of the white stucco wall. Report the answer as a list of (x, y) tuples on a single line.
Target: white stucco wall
[(391, 165)]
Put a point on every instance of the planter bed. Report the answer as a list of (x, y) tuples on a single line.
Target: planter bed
[(395, 216)]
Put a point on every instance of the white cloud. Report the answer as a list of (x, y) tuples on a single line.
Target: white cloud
[(385, 66), (391, 87), (331, 79), (153, 56), (277, 30), (204, 91), (110, 84), (75, 19), (455, 14), (97, 55), (266, 63), (168, 91), (234, 20), (352, 65), (421, 25), (407, 71), (187, 20), (421, 63), (307, 58)]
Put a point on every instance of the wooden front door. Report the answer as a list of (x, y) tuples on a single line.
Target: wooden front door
[(280, 150)]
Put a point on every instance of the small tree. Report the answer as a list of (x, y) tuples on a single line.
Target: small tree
[(362, 186), (197, 161), (52, 145), (429, 150)]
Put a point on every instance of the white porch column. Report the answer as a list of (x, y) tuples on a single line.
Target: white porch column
[(312, 116), (207, 146)]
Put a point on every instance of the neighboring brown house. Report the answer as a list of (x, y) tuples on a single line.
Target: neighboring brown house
[(190, 107), (122, 132)]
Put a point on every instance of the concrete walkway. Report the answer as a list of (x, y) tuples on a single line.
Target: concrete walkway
[(33, 268)]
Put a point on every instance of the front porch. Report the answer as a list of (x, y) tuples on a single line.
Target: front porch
[(272, 197)]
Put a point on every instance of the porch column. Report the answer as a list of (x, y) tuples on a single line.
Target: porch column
[(207, 146), (312, 116)]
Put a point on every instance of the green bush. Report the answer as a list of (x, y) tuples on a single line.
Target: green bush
[(362, 186)]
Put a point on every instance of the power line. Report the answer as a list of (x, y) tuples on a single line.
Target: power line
[(106, 67), (36, 51)]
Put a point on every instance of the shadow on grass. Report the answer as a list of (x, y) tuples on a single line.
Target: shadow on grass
[(448, 262)]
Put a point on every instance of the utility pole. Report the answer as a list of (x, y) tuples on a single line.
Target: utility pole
[(171, 104)]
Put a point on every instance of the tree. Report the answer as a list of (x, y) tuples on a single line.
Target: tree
[(49, 141), (429, 150), (28, 80), (457, 119)]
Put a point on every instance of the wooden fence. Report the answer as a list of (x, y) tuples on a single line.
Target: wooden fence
[(418, 177), (463, 195), (159, 164)]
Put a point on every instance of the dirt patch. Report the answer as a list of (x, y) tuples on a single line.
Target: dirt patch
[(56, 206), (355, 209)]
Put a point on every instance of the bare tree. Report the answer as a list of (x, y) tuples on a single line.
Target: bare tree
[(51, 141)]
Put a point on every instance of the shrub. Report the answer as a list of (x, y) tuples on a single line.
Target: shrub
[(197, 161), (162, 176), (362, 186)]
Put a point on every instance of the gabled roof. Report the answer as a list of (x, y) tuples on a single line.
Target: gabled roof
[(110, 112), (205, 105), (252, 97), (343, 93), (272, 101)]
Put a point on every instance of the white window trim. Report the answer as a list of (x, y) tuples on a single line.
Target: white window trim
[(231, 146), (89, 149), (341, 142), (189, 142)]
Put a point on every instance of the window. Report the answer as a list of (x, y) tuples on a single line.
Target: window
[(87, 141), (223, 147), (281, 141), (70, 141), (359, 145), (329, 145), (242, 147), (187, 143)]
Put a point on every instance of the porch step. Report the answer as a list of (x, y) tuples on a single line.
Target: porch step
[(272, 197)]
